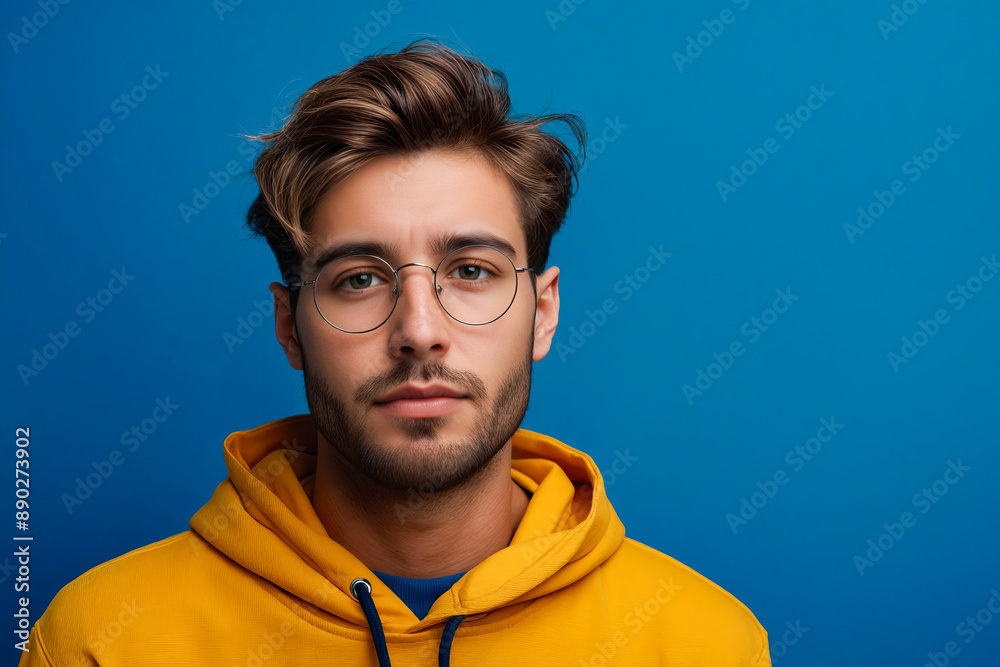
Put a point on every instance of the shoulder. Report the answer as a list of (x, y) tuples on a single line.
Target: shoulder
[(129, 594), (155, 566), (692, 588), (686, 606)]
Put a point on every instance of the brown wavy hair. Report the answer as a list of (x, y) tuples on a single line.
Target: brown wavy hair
[(425, 96)]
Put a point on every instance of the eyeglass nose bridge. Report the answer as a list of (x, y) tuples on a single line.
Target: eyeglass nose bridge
[(399, 289), (399, 282)]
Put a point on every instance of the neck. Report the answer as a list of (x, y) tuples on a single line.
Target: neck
[(410, 534)]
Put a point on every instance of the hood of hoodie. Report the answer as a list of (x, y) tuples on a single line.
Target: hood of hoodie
[(262, 518)]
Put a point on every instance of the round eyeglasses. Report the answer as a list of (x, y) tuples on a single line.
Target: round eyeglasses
[(475, 285)]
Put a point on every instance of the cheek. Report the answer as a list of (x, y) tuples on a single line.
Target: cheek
[(343, 360), (504, 343)]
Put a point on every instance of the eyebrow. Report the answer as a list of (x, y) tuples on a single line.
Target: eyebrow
[(348, 248), (441, 246)]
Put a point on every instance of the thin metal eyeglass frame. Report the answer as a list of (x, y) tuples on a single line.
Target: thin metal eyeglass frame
[(399, 288)]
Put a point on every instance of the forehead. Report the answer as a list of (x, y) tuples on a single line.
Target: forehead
[(414, 206)]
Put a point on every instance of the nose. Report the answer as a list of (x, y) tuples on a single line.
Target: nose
[(419, 327)]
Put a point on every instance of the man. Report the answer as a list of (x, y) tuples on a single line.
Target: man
[(406, 519)]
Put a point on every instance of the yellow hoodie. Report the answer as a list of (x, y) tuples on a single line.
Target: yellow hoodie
[(257, 582)]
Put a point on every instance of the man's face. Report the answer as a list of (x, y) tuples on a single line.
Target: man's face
[(423, 398)]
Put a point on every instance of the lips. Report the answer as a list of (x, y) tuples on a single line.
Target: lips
[(413, 402), (413, 392)]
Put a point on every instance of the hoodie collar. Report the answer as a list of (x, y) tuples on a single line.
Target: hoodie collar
[(262, 517)]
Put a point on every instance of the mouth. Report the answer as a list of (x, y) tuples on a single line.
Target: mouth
[(415, 402)]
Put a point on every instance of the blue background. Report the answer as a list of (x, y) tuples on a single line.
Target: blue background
[(614, 388)]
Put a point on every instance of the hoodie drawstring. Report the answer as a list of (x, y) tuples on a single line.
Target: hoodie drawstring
[(444, 651), (361, 589), (362, 592)]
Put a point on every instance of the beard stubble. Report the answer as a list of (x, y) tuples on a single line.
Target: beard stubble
[(442, 464)]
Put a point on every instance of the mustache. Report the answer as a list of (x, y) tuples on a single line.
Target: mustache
[(408, 371)]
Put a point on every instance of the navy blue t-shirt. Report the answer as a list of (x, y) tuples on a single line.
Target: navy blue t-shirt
[(419, 594)]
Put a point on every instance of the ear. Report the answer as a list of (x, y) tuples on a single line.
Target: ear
[(546, 311), (284, 325)]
